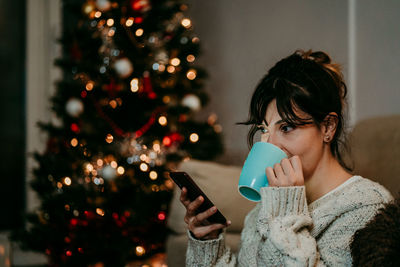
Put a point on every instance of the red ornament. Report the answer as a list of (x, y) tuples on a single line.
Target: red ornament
[(68, 253), (89, 214), (75, 128), (83, 94), (138, 20), (73, 222), (140, 5), (161, 216), (167, 141)]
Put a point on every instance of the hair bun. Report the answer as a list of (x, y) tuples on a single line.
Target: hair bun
[(318, 56)]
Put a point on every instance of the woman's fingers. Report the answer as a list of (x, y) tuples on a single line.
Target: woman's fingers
[(194, 205), (206, 232), (286, 173), (272, 180), (287, 166), (184, 199)]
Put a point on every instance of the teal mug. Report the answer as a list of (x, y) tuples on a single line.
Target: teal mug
[(253, 177)]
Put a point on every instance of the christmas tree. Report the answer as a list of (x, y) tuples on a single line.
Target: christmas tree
[(126, 107)]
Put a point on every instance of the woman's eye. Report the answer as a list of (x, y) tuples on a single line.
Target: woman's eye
[(287, 128), (262, 129)]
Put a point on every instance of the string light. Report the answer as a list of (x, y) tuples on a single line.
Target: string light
[(59, 185), (186, 23), (139, 32), (171, 69), (134, 85), (97, 14), (166, 99), (161, 68), (191, 74), (129, 22), (113, 104), (162, 120), (175, 61), (114, 164), (153, 175), (195, 40), (89, 86), (194, 137), (190, 58), (111, 32), (88, 8), (157, 147), (110, 22), (67, 181), (74, 142), (100, 162), (144, 167), (143, 157), (109, 138), (120, 170), (156, 66), (89, 167), (140, 251), (100, 212)]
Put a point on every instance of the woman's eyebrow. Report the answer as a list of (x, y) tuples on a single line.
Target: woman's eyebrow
[(276, 123)]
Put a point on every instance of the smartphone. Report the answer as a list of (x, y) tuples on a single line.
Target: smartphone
[(182, 179)]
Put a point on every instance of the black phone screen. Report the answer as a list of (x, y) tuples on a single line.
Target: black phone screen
[(182, 179)]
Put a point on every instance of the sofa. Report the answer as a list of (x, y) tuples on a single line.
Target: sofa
[(374, 153)]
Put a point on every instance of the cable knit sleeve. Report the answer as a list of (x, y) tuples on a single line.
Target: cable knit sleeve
[(205, 253), (284, 224)]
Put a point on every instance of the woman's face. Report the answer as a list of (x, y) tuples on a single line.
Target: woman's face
[(304, 141)]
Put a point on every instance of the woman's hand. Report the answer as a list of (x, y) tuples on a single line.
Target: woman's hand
[(197, 223), (286, 173)]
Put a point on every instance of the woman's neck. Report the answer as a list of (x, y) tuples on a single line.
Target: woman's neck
[(327, 176)]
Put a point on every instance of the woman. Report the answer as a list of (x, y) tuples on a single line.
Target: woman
[(313, 204)]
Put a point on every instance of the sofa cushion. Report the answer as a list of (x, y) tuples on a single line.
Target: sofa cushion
[(375, 150), (219, 182)]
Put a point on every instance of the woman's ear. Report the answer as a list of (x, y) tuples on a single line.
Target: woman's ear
[(329, 126)]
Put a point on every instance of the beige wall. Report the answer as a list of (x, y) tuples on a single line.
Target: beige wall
[(242, 39)]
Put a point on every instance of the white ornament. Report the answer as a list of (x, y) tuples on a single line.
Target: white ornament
[(108, 172), (74, 107), (123, 67), (191, 101), (103, 5)]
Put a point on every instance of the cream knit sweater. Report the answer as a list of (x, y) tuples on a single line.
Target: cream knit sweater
[(282, 230)]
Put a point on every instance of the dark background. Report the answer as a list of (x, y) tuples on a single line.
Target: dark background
[(12, 110)]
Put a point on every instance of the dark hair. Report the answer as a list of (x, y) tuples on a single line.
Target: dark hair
[(307, 81)]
